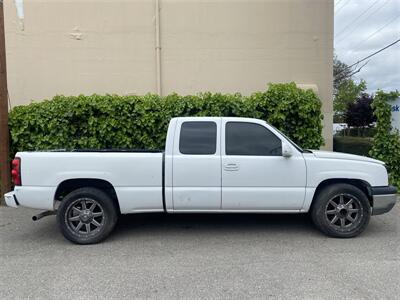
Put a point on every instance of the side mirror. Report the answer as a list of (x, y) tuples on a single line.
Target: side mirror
[(286, 150)]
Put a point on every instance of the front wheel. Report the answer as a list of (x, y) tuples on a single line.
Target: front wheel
[(86, 216), (341, 210)]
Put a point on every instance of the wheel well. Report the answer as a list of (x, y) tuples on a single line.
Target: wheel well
[(67, 186), (361, 184)]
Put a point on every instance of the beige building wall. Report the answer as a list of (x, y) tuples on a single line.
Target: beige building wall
[(109, 46)]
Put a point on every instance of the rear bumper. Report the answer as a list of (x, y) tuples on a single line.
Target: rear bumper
[(384, 198), (11, 200), (31, 196)]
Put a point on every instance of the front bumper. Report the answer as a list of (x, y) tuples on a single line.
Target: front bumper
[(11, 200), (384, 198)]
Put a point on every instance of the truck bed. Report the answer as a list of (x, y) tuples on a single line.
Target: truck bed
[(135, 175)]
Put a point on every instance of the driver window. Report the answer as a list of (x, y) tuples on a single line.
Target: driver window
[(243, 138)]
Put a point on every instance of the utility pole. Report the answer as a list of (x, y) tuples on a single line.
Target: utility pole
[(5, 182)]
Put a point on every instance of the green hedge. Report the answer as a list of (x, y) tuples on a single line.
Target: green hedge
[(386, 145), (113, 121), (353, 145)]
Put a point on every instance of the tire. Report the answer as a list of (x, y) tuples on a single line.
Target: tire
[(341, 210), (87, 216)]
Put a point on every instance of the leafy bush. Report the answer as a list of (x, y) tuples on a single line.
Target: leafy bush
[(353, 145), (386, 145), (113, 121)]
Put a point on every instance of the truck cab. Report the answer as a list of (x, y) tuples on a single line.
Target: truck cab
[(232, 164)]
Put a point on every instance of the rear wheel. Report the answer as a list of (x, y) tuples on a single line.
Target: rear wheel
[(86, 216), (341, 210)]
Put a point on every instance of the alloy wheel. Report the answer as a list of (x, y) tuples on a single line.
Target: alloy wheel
[(343, 212), (85, 216)]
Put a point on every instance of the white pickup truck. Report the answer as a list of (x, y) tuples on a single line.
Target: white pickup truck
[(210, 164)]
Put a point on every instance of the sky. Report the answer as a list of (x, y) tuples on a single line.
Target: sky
[(363, 27)]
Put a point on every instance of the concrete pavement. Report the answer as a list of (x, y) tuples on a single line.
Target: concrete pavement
[(199, 256)]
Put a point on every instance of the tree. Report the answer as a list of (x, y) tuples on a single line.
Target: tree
[(341, 73), (345, 89), (360, 114), (348, 93)]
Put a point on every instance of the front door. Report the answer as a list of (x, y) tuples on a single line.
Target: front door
[(255, 175)]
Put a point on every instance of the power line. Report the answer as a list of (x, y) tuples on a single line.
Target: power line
[(359, 69), (366, 18), (369, 56), (377, 31), (337, 12), (337, 3), (375, 53), (356, 19)]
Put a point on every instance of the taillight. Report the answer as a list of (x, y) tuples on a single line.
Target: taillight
[(16, 171)]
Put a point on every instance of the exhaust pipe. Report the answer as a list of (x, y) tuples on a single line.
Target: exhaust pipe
[(44, 214)]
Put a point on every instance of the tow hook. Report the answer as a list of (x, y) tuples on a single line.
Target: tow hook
[(44, 214)]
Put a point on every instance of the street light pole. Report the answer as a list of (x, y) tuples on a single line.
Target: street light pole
[(5, 182)]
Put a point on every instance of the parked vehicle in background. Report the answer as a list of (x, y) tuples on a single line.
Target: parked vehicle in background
[(339, 127), (210, 165)]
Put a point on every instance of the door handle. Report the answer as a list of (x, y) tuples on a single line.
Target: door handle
[(231, 167)]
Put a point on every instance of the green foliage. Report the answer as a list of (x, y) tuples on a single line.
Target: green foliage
[(294, 111), (360, 113), (341, 73), (113, 121), (386, 145), (353, 145), (347, 94)]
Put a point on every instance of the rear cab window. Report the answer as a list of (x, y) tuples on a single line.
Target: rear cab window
[(198, 138)]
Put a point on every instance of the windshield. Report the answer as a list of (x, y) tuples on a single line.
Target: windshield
[(288, 139)]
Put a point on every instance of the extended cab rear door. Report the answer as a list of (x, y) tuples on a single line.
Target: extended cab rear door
[(197, 164), (255, 175)]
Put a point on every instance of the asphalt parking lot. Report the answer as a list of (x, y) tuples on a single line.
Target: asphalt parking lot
[(199, 256)]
